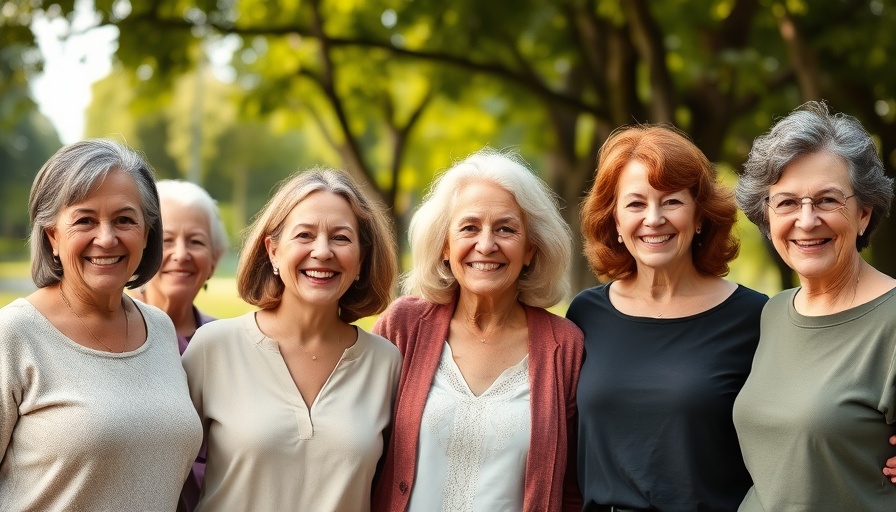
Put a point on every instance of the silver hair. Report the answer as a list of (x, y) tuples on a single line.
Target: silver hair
[(190, 194), (809, 129), (67, 178), (544, 283)]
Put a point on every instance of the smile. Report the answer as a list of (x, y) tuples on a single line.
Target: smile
[(484, 266), (811, 243), (105, 261), (656, 239), (319, 274)]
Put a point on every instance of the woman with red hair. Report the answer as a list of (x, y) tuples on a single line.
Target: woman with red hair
[(668, 341)]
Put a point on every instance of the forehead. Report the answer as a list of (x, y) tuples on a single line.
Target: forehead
[(176, 215), (633, 180), (323, 207), (481, 197), (811, 173)]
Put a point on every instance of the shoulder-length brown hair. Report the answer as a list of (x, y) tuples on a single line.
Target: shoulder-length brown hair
[(673, 163), (370, 294)]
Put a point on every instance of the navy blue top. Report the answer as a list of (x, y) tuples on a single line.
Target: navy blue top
[(655, 398)]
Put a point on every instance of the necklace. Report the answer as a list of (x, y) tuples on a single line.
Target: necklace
[(309, 354), (127, 323)]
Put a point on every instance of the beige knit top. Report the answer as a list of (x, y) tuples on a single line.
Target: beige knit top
[(82, 429)]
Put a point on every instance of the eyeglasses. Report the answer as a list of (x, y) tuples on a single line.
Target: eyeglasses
[(786, 204)]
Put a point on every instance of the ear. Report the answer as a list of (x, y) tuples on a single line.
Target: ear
[(864, 219), (271, 247), (529, 255), (51, 236)]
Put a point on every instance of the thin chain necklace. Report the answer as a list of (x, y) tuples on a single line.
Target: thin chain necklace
[(309, 354), (127, 323)]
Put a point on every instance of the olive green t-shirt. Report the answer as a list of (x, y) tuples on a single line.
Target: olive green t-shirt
[(816, 412)]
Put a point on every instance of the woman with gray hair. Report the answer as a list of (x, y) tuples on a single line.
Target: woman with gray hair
[(94, 408), (485, 412), (815, 413)]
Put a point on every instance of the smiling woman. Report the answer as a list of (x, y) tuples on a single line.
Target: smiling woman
[(294, 399), (820, 402), (94, 409)]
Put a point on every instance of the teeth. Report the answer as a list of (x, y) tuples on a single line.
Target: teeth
[(319, 274), (656, 239), (808, 243), (485, 266), (180, 274), (103, 261)]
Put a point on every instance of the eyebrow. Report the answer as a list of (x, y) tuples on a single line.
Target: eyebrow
[(818, 193), (88, 211), (306, 225), (476, 220)]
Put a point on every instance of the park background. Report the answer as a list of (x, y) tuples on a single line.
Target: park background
[(238, 94)]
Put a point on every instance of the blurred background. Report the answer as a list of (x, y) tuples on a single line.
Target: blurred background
[(237, 94)]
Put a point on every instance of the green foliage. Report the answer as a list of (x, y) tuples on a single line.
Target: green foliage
[(395, 90)]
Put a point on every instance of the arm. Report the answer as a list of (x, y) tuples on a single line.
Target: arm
[(572, 495)]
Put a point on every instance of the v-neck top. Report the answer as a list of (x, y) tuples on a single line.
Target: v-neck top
[(473, 448), (267, 450)]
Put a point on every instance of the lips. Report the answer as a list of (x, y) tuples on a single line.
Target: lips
[(105, 261), (319, 274), (811, 243), (656, 239), (484, 266)]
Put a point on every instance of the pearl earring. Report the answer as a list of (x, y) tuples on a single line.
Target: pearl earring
[(619, 238)]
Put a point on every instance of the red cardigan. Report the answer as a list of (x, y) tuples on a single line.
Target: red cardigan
[(419, 329)]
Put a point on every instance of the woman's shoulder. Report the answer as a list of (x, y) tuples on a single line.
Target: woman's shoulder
[(408, 305), (378, 344), (225, 330)]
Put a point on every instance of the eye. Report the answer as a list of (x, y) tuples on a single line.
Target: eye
[(80, 221), (507, 229), (197, 242), (342, 238), (636, 205), (124, 219), (786, 202), (469, 228), (672, 203), (304, 235), (828, 200)]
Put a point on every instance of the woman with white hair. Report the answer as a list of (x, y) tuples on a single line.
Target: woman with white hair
[(193, 242), (485, 412)]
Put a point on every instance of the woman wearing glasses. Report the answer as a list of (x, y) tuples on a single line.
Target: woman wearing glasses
[(815, 414), (668, 341)]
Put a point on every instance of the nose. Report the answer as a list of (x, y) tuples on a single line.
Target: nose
[(179, 251), (807, 215), (106, 236), (485, 243), (321, 248), (654, 215)]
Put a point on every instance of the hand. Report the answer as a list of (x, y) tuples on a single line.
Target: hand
[(890, 468)]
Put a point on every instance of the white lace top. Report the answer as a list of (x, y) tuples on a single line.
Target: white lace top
[(472, 449)]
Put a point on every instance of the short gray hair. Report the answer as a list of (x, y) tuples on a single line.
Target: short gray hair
[(811, 128), (192, 195), (544, 283), (67, 178)]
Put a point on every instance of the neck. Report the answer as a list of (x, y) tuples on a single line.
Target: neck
[(663, 285), (837, 294), (106, 305), (180, 311), (302, 323), (483, 312)]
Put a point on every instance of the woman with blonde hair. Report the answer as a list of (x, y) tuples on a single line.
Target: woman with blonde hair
[(294, 399)]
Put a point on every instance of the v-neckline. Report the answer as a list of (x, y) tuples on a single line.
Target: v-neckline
[(510, 371)]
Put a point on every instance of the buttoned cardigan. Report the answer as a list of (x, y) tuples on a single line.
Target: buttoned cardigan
[(419, 329)]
